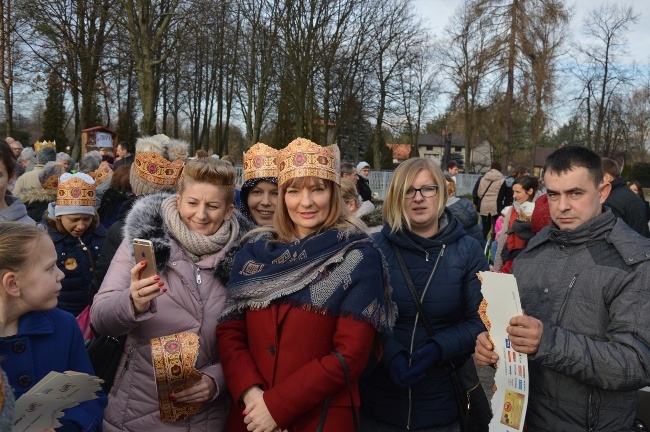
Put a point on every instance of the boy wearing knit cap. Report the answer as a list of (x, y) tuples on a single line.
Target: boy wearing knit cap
[(73, 225)]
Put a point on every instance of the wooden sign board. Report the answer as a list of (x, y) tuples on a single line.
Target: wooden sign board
[(97, 137)]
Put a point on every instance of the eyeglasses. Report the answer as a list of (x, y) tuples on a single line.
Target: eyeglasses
[(17, 148), (425, 191)]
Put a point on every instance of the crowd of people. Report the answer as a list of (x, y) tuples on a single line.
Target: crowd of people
[(311, 305)]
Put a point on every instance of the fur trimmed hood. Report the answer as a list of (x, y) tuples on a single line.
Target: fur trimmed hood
[(374, 218), (34, 194), (145, 221)]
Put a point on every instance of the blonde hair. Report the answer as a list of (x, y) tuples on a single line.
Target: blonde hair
[(18, 242), (284, 227), (349, 192), (212, 171), (394, 210)]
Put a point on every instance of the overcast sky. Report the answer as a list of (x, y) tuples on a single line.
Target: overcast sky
[(437, 13)]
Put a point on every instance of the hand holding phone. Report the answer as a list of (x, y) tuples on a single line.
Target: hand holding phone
[(143, 251)]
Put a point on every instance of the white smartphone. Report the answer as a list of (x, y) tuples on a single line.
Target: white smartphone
[(143, 250)]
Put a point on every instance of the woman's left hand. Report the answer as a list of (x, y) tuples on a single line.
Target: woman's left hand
[(258, 418), (202, 391)]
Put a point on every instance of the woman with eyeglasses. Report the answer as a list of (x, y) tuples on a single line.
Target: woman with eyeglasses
[(425, 247)]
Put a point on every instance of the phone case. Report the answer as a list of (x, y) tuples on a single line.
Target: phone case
[(143, 250)]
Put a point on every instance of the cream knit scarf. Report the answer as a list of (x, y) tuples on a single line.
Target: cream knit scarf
[(197, 246)]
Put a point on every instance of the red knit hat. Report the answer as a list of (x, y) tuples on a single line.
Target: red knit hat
[(541, 215)]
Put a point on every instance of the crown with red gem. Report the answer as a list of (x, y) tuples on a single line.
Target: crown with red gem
[(260, 161), (304, 158)]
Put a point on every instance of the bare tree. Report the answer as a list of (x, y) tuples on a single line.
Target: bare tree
[(394, 37), (153, 27), (7, 59), (72, 33), (542, 43), (605, 29), (418, 89), (258, 46), (468, 56)]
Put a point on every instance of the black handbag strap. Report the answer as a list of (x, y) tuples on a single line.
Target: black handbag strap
[(414, 294), (486, 190), (321, 423)]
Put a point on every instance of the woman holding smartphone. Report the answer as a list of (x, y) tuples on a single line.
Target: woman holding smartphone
[(190, 232)]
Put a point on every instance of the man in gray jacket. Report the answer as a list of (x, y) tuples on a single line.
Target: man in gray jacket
[(584, 283)]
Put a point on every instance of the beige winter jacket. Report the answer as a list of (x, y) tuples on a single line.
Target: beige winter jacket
[(490, 185)]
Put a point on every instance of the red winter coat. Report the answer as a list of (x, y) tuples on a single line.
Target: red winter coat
[(287, 352)]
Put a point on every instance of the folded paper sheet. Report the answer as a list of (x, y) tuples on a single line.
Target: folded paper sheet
[(511, 379), (174, 357), (42, 406)]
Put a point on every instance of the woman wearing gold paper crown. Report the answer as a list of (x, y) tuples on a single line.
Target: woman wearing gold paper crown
[(191, 232), (306, 299), (73, 225), (259, 193)]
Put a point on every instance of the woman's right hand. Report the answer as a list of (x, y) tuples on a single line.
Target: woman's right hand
[(484, 351), (144, 290)]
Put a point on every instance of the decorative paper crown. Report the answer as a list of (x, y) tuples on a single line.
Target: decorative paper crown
[(260, 161), (103, 173), (49, 175), (303, 158), (153, 168), (76, 191), (40, 144)]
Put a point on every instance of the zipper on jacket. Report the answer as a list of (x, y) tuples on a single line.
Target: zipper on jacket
[(415, 325), (566, 298), (198, 276), (90, 255), (128, 358)]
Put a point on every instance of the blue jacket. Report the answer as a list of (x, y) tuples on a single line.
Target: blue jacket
[(451, 303), (51, 341), (77, 260)]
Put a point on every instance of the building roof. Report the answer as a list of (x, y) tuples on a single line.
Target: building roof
[(541, 153), (99, 129), (400, 151), (437, 140)]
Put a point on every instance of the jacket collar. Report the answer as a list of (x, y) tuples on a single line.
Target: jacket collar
[(449, 231), (58, 236), (618, 182), (595, 229), (606, 227), (35, 323)]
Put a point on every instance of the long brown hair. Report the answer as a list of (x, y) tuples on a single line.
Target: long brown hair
[(284, 227)]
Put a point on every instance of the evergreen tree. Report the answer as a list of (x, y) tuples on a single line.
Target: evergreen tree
[(54, 116)]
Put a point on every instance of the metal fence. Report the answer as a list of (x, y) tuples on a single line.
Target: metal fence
[(379, 181)]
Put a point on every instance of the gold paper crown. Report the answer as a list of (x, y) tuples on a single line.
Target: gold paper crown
[(303, 158), (40, 144), (51, 183), (157, 170), (260, 161), (76, 192), (103, 173)]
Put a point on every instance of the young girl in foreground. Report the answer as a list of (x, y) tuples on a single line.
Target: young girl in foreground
[(36, 337)]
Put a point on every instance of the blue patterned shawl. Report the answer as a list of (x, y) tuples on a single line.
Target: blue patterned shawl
[(339, 272)]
